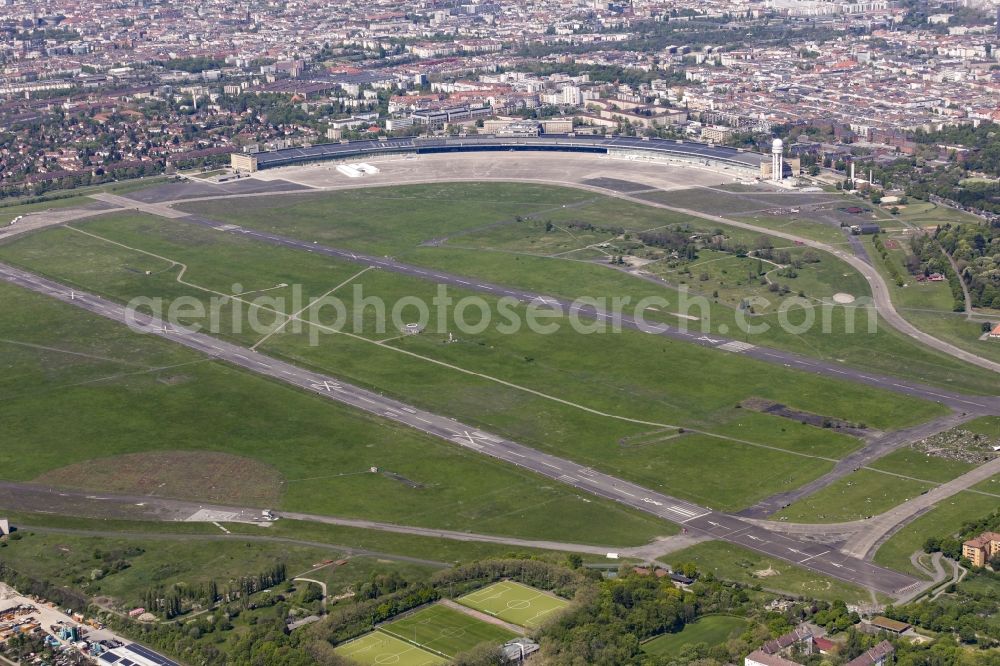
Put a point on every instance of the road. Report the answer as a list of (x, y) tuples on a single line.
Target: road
[(334, 548), (866, 542), (65, 501), (694, 518), (872, 451), (861, 538)]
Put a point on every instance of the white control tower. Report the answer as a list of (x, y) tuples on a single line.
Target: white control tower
[(777, 168)]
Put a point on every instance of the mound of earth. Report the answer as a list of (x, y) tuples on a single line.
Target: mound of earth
[(192, 475)]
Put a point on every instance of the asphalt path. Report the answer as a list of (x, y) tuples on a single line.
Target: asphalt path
[(872, 451), (38, 498), (957, 401), (188, 536), (691, 517)]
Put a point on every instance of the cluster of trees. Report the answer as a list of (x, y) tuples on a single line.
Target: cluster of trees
[(922, 178), (179, 599), (604, 625), (674, 240), (587, 226), (836, 618), (611, 619), (264, 640), (346, 621), (378, 585), (537, 573), (976, 251), (597, 73), (982, 141), (964, 613), (113, 561), (64, 596)]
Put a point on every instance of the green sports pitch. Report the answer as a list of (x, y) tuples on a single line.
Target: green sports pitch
[(446, 631), (515, 603), (378, 648)]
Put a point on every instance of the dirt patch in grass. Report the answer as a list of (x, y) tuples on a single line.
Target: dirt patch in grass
[(817, 420), (194, 475), (960, 444), (649, 438)]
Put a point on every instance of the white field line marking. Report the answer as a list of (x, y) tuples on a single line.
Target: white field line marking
[(398, 350), (295, 315)]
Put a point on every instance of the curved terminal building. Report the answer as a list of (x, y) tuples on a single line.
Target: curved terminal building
[(676, 152)]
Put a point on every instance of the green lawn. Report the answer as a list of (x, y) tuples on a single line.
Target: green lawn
[(515, 603), (637, 377), (399, 220), (437, 212), (90, 389), (989, 485), (986, 425), (910, 462), (857, 496), (745, 566), (445, 630), (798, 224), (378, 648), (711, 630), (387, 220)]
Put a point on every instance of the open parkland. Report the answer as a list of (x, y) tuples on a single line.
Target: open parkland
[(819, 458)]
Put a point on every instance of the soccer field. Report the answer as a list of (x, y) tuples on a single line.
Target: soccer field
[(515, 603), (446, 630), (378, 648)]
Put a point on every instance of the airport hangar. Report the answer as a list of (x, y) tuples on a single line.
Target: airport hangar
[(675, 152)]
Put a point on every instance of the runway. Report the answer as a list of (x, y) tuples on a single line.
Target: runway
[(956, 401), (693, 518)]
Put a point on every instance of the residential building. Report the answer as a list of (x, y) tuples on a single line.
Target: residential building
[(984, 547), (777, 652), (880, 655), (761, 658)]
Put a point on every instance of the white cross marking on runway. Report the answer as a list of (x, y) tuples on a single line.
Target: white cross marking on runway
[(326, 386)]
